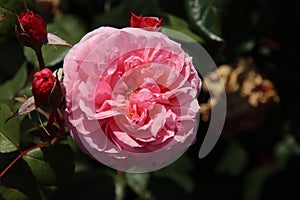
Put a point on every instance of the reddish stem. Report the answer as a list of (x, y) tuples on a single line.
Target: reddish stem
[(59, 120), (25, 5), (40, 58), (19, 157), (50, 119)]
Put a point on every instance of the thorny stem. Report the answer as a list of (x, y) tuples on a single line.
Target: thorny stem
[(20, 156)]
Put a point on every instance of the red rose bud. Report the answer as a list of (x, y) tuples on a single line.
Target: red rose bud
[(42, 85), (34, 26), (148, 23)]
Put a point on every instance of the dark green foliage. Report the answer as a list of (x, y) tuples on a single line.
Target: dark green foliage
[(256, 164)]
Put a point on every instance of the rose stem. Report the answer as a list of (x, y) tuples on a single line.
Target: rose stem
[(19, 157), (40, 58), (50, 119)]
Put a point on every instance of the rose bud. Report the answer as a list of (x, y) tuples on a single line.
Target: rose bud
[(42, 85), (33, 26), (148, 23)]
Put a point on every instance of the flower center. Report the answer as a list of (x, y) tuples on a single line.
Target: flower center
[(140, 102)]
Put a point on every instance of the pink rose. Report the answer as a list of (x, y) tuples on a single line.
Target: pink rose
[(131, 98)]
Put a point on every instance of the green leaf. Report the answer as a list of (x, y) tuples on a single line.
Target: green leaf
[(175, 179), (178, 172), (11, 194), (138, 183), (13, 86), (10, 9), (116, 17), (119, 16), (180, 25), (40, 168), (24, 183), (6, 159), (70, 142), (11, 58), (254, 182), (206, 16), (9, 132), (144, 7), (92, 183), (51, 165), (68, 28), (285, 149), (120, 188), (234, 160)]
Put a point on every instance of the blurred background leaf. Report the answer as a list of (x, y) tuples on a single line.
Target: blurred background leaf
[(234, 160), (13, 86), (287, 148), (138, 182), (12, 194), (119, 15), (254, 182), (9, 132), (11, 9), (252, 165), (87, 184), (206, 16), (179, 172), (23, 183), (177, 24)]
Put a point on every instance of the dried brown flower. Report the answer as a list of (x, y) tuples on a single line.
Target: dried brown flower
[(249, 95)]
